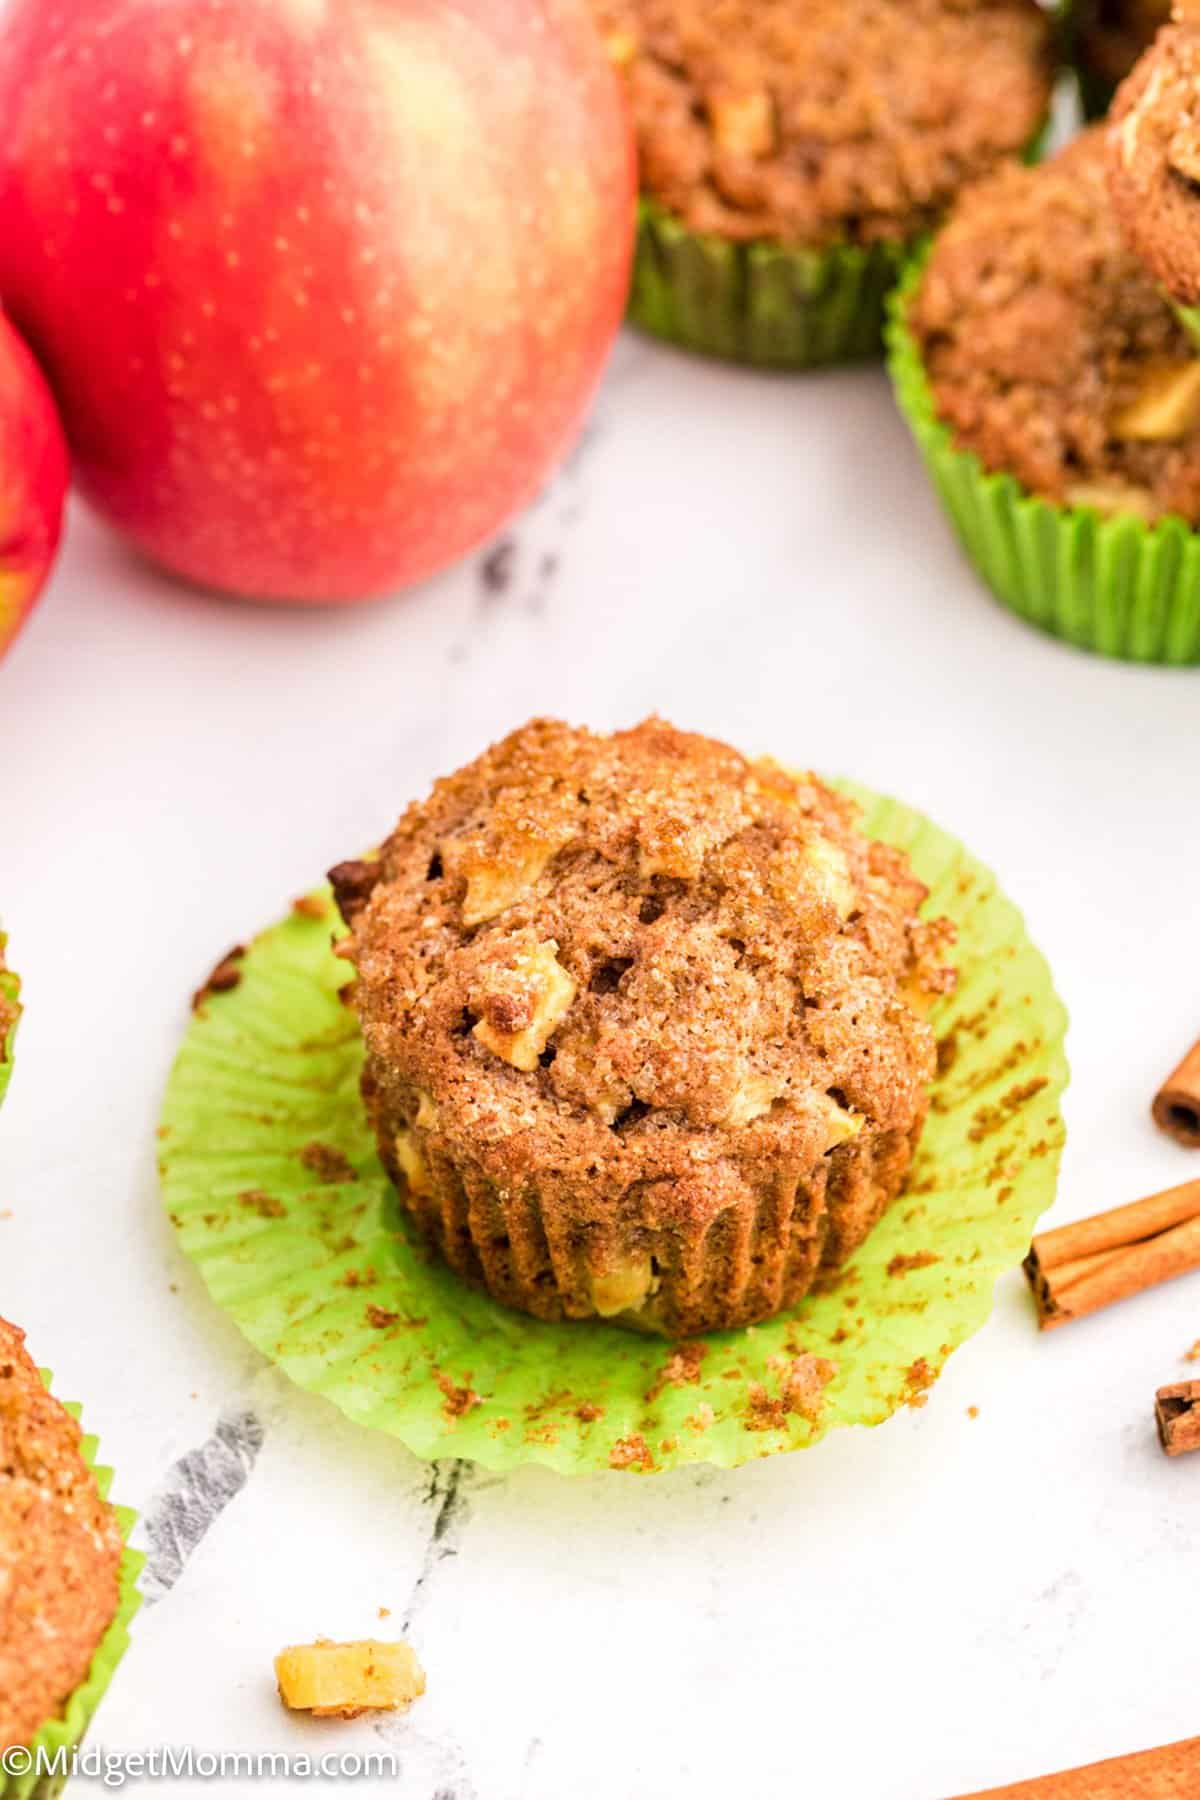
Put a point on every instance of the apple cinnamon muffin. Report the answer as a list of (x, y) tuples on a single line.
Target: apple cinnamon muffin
[(1049, 349), (1154, 157), (60, 1551), (643, 1024), (792, 154)]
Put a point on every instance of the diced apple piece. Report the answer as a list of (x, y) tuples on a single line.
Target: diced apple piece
[(522, 1012), (341, 1680), (1166, 408)]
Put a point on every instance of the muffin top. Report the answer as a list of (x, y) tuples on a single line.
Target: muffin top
[(831, 121), (1051, 352), (60, 1550), (1112, 34), (641, 957), (1154, 157)]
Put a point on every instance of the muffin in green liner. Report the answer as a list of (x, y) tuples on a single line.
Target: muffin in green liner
[(1105, 563), (790, 157), (38, 1770), (271, 1178), (10, 1013)]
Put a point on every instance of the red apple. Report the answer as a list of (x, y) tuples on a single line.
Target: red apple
[(33, 483), (323, 286)]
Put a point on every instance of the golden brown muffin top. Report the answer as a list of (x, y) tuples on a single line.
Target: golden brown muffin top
[(640, 957), (1154, 157), (831, 121), (1051, 352), (60, 1550)]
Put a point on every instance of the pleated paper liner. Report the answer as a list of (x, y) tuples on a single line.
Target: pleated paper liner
[(10, 1013), (1117, 586), (271, 1179), (59, 1736), (769, 305)]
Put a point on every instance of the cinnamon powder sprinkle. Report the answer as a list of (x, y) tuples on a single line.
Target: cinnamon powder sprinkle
[(328, 1164), (224, 978), (920, 1259), (458, 1400)]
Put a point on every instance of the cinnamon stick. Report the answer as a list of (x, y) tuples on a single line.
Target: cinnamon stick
[(1177, 1411), (1177, 1103), (1080, 1268), (1171, 1773)]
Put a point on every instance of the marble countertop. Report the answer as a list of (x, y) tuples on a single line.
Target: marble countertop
[(939, 1605)]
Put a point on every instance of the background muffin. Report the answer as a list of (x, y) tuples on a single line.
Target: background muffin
[(642, 1022), (1051, 352), (1055, 397), (60, 1551), (801, 134), (1154, 160)]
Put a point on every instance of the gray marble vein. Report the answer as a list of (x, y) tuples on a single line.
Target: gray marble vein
[(195, 1492), (447, 1494)]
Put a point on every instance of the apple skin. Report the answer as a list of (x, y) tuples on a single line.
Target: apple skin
[(324, 287), (34, 474)]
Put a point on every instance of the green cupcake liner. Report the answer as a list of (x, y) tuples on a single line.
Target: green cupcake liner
[(1116, 586), (10, 1013), (772, 306), (271, 1179), (60, 1736), (769, 305)]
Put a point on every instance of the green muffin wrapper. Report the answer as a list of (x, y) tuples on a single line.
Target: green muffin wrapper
[(771, 305), (1117, 586), (271, 1179), (67, 1731), (10, 991)]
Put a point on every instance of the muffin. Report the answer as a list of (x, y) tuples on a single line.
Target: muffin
[(1057, 400), (60, 1552), (790, 155), (1108, 38), (1154, 159), (643, 1025)]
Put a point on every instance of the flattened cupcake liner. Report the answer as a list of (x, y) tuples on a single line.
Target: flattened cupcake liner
[(10, 1013), (1117, 586), (770, 305), (271, 1178), (58, 1737)]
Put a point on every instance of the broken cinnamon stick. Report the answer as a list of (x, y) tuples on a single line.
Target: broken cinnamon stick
[(1078, 1269), (1177, 1411), (1171, 1773), (1177, 1103)]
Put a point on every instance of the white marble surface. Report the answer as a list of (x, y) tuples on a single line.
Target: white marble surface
[(936, 1606)]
